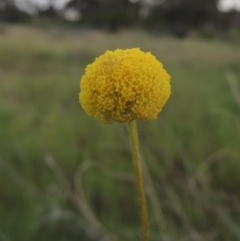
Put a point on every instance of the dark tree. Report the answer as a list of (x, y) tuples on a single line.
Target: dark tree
[(10, 13), (180, 16), (106, 13), (50, 12)]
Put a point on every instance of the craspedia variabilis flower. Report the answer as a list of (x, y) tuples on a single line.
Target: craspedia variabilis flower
[(124, 85)]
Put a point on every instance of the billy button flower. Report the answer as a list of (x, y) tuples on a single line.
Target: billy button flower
[(121, 86), (124, 85)]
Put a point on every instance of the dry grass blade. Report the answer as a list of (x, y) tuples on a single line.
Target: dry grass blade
[(210, 160), (84, 204), (157, 208), (62, 179), (78, 199), (121, 176), (233, 83), (179, 209), (228, 222), (21, 182)]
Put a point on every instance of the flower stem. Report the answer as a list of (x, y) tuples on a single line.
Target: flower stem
[(139, 178)]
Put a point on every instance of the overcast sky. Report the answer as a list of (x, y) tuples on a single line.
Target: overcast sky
[(225, 5)]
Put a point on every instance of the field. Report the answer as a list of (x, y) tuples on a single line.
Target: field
[(51, 149)]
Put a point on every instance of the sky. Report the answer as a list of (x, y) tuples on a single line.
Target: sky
[(225, 5), (58, 4)]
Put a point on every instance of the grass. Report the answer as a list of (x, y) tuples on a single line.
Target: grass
[(192, 150)]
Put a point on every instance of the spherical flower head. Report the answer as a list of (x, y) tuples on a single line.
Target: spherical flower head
[(124, 85)]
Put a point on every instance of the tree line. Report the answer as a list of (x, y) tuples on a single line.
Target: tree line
[(177, 17)]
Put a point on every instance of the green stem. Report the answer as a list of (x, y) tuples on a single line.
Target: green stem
[(139, 178)]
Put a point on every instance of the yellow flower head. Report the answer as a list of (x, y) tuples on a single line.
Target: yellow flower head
[(124, 85)]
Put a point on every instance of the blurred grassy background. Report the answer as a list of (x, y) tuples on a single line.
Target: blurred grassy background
[(192, 150)]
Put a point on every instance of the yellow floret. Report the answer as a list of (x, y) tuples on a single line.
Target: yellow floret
[(124, 85)]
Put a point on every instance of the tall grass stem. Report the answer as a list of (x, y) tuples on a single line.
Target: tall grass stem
[(139, 178)]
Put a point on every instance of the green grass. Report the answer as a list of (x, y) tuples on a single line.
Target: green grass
[(192, 150)]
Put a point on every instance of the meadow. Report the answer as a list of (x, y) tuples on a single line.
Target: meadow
[(50, 148)]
